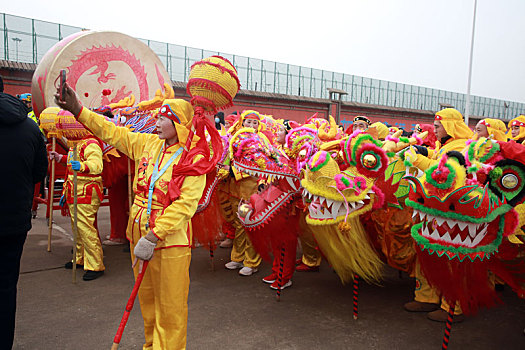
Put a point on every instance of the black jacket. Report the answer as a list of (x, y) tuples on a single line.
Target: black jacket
[(23, 160)]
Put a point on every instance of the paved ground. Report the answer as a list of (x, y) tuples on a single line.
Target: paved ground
[(227, 311)]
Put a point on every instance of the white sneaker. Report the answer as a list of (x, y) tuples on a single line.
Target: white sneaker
[(114, 242), (247, 271), (227, 243), (233, 265), (286, 285)]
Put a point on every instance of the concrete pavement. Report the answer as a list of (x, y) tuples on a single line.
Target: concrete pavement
[(227, 311)]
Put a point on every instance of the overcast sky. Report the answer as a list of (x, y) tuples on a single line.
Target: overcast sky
[(420, 42)]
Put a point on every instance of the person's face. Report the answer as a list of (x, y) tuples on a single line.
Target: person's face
[(481, 130), (391, 132), (251, 123), (515, 130), (28, 104), (166, 130), (227, 125), (359, 125), (281, 134), (439, 130)]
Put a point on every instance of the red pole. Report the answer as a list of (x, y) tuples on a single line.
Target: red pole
[(129, 306), (448, 326), (280, 274), (211, 257), (356, 294)]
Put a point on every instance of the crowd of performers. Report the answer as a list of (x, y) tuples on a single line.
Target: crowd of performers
[(274, 185)]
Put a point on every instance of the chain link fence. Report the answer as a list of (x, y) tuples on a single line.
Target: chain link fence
[(27, 40)]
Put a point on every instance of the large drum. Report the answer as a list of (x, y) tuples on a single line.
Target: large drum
[(103, 68)]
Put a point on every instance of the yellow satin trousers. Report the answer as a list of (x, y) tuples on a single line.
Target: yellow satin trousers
[(424, 293), (163, 297), (311, 255), (89, 248), (242, 249)]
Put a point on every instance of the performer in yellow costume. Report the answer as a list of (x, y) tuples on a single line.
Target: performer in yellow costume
[(489, 128), (242, 186), (89, 195), (382, 130), (452, 134), (311, 258), (158, 225), (517, 129)]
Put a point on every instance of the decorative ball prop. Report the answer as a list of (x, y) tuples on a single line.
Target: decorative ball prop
[(48, 120), (69, 128), (102, 67), (212, 84)]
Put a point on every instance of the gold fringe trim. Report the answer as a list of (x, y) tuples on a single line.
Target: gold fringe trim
[(349, 252)]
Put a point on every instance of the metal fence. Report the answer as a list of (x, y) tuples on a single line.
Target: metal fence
[(27, 40)]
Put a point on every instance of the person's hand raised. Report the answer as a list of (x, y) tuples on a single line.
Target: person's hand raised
[(69, 101)]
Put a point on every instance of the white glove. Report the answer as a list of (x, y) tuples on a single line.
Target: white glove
[(144, 249), (410, 155)]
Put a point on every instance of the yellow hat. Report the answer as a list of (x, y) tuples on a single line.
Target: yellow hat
[(382, 130), (519, 121), (496, 129), (393, 129), (181, 112), (453, 122)]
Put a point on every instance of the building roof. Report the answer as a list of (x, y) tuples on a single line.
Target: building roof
[(14, 65)]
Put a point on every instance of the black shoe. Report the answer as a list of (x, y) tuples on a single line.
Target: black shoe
[(69, 265), (92, 275)]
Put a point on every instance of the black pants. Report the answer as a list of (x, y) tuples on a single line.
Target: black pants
[(11, 251)]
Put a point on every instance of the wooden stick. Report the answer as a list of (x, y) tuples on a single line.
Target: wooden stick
[(51, 195), (130, 185), (129, 306), (75, 217)]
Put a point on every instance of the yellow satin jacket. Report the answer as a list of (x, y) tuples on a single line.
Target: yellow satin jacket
[(169, 221), (89, 179)]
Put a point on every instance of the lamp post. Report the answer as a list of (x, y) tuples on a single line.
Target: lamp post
[(17, 41), (467, 103)]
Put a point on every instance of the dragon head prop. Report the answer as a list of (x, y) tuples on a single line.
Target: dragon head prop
[(252, 153), (463, 208), (337, 191)]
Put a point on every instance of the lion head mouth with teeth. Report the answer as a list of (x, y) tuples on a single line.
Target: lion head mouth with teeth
[(461, 223), (252, 154), (336, 191), (468, 222), (331, 195)]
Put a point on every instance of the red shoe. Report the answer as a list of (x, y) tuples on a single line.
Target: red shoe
[(270, 279), (305, 268)]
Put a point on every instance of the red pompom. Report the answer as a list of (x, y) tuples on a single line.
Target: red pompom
[(86, 94)]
